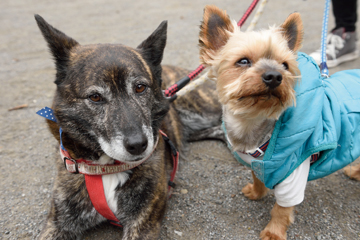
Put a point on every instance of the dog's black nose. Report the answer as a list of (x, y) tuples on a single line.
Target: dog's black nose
[(136, 144), (272, 79)]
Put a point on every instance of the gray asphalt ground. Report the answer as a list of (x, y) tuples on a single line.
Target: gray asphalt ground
[(207, 203)]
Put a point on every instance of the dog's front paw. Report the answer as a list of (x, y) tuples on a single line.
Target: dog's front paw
[(353, 172), (273, 232), (254, 193)]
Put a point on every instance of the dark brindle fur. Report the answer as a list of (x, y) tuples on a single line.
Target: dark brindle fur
[(101, 113)]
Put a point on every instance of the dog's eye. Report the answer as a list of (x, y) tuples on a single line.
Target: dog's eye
[(244, 62), (140, 88), (286, 66), (95, 97)]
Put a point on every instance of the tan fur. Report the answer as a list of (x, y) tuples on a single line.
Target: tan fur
[(212, 40), (353, 171), (281, 218), (295, 21), (255, 191), (251, 105)]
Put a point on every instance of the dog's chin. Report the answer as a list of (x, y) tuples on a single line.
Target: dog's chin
[(269, 105), (267, 96)]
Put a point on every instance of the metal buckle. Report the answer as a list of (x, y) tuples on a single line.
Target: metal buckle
[(75, 163)]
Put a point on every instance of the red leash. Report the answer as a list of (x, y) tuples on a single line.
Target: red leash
[(248, 12)]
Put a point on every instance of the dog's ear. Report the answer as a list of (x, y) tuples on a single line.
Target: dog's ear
[(153, 46), (59, 44), (214, 32), (293, 31)]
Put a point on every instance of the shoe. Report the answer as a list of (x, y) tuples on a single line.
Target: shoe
[(341, 47)]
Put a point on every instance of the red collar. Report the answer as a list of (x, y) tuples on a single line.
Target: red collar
[(93, 176)]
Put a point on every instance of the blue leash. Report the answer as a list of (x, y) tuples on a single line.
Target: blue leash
[(323, 66)]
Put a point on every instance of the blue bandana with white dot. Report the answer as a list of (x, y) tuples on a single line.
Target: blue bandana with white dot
[(47, 113)]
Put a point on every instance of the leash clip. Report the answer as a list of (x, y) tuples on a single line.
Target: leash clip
[(75, 164)]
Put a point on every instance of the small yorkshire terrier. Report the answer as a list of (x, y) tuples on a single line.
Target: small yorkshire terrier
[(258, 83)]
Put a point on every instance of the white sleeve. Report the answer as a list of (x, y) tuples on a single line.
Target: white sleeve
[(291, 191)]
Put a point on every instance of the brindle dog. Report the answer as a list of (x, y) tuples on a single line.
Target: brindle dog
[(110, 106)]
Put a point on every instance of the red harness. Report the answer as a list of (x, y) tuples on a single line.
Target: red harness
[(93, 177)]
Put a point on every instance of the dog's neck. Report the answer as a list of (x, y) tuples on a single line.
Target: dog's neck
[(246, 134)]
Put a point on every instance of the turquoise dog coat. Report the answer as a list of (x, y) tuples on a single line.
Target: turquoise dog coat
[(326, 119)]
